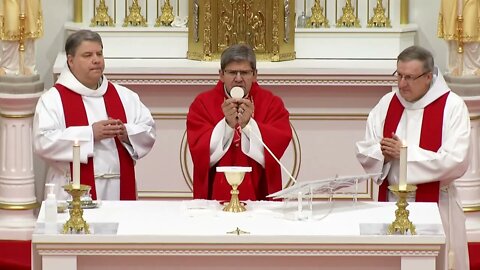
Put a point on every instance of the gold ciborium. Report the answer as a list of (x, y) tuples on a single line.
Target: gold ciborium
[(76, 223), (234, 177), (402, 224)]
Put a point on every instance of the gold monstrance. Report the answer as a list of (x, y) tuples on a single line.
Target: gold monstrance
[(234, 177)]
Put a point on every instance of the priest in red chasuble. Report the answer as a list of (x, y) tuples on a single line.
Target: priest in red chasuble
[(109, 122), (220, 127), (434, 123)]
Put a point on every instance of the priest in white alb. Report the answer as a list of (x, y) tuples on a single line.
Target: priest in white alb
[(109, 122), (434, 122)]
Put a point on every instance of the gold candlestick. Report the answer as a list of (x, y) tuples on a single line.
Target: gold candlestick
[(403, 11), (401, 224), (77, 11), (379, 19), (167, 17), (349, 17), (135, 17), (76, 223), (318, 18), (101, 17)]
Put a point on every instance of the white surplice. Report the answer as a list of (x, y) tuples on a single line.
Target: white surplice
[(53, 141), (447, 164)]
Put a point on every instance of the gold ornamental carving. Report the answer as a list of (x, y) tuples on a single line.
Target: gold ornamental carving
[(348, 18), (101, 17), (76, 223), (318, 18), (167, 16), (379, 19), (266, 25), (402, 223), (135, 17)]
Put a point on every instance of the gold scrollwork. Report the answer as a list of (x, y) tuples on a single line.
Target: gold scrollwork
[(318, 18), (101, 17), (379, 19), (286, 20), (196, 21), (348, 18), (135, 17), (275, 33), (207, 43), (167, 17)]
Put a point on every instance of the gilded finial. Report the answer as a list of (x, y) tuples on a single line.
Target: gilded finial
[(134, 18), (167, 17), (101, 17), (348, 19)]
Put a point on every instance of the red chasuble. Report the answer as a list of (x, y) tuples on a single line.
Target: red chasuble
[(273, 121), (75, 115), (430, 139)]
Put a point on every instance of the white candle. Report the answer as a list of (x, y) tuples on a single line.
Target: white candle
[(22, 6), (402, 178), (76, 165), (460, 7)]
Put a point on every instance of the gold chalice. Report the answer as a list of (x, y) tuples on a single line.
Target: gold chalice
[(234, 177)]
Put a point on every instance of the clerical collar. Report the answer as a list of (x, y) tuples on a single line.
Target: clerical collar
[(99, 83)]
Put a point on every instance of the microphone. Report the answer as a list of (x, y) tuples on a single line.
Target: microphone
[(237, 92), (247, 127)]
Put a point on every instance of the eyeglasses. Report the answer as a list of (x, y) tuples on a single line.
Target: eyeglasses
[(242, 73), (408, 78)]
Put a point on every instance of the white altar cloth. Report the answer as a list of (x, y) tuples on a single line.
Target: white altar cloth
[(183, 235)]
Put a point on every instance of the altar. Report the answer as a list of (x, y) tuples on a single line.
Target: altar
[(198, 235)]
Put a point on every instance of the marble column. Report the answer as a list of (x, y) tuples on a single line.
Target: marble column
[(18, 97), (469, 184)]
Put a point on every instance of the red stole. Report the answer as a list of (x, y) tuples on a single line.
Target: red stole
[(75, 115), (430, 139), (272, 119)]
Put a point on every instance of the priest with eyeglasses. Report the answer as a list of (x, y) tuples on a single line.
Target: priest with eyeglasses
[(434, 123), (220, 123)]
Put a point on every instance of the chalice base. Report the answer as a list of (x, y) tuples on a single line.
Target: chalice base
[(234, 206)]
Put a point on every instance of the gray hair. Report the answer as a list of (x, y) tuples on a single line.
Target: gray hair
[(75, 39), (417, 53), (238, 53)]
